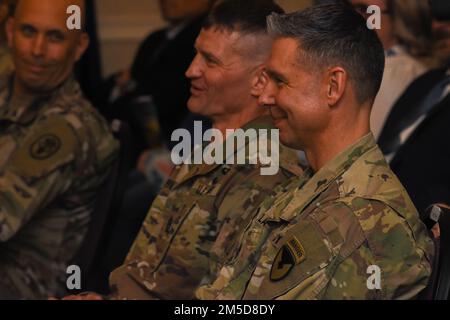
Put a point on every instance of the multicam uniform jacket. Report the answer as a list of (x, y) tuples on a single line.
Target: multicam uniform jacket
[(54, 155), (349, 232), (171, 254)]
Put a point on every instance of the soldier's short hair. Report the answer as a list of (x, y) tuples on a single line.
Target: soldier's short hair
[(335, 34), (244, 16)]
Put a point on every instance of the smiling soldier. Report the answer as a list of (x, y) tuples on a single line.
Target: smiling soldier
[(174, 251), (318, 238)]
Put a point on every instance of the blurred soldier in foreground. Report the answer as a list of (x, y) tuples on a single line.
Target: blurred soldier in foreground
[(55, 152), (323, 238), (417, 131)]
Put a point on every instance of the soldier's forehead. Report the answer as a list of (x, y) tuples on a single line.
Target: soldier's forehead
[(48, 13)]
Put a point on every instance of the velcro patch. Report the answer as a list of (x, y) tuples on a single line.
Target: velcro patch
[(52, 144), (290, 255), (45, 146), (297, 250)]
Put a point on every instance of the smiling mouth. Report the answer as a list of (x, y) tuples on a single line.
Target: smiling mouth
[(278, 123), (35, 68), (277, 118), (196, 90)]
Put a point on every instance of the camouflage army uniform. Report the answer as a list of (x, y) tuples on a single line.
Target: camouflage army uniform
[(316, 239), (54, 154), (171, 254)]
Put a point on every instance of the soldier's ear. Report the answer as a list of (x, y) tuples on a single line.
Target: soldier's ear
[(336, 83), (259, 81), (82, 45)]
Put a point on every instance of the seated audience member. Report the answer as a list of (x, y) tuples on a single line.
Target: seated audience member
[(417, 130), (319, 238), (406, 37), (173, 250), (5, 57), (55, 152)]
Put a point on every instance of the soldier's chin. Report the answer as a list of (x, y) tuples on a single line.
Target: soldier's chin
[(195, 105), (284, 139), (289, 141)]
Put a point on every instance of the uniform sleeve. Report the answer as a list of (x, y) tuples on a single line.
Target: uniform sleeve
[(41, 167), (300, 262)]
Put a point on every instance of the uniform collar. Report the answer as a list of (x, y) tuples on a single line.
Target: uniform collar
[(289, 205)]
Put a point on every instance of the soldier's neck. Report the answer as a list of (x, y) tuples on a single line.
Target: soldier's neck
[(326, 147)]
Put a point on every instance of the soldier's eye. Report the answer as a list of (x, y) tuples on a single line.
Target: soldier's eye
[(56, 37), (279, 82), (210, 60)]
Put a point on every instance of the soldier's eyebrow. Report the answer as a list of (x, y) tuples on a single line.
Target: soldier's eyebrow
[(56, 33), (52, 32)]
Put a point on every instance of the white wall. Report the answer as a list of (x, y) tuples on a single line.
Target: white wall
[(124, 23)]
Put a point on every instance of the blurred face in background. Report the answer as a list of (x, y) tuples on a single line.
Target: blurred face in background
[(44, 50), (386, 33), (441, 32), (178, 10)]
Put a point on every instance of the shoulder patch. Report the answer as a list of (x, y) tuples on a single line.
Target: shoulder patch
[(45, 146)]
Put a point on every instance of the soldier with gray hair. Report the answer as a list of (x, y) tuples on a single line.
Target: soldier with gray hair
[(348, 230)]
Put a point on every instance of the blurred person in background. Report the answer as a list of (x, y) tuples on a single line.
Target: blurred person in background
[(406, 36), (417, 130), (88, 71)]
